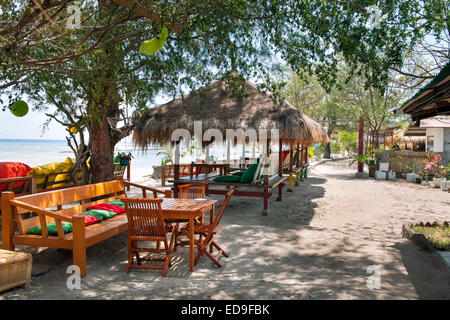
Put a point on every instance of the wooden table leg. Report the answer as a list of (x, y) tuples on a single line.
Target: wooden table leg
[(266, 202), (211, 220), (191, 244)]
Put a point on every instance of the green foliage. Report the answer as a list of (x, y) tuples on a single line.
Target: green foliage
[(312, 37), (168, 153), (336, 147), (155, 44), (349, 140), (438, 235), (124, 156), (359, 158)]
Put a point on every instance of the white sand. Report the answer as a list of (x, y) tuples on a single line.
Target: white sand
[(315, 244)]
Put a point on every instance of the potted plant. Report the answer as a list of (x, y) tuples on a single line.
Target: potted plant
[(372, 167), (124, 158)]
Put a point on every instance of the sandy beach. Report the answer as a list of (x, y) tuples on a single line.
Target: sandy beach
[(316, 244)]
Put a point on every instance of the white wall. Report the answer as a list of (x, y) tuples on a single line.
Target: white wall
[(438, 134)]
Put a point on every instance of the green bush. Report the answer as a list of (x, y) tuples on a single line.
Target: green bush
[(349, 141), (336, 147)]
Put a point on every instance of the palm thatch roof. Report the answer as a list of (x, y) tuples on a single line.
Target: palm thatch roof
[(399, 136), (217, 109)]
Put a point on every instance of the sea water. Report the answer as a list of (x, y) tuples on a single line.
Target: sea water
[(39, 152)]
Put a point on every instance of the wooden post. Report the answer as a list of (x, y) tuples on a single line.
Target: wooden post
[(129, 175), (207, 154), (280, 157), (228, 152), (280, 164), (243, 154), (266, 179), (33, 184), (291, 159), (79, 244), (360, 142), (297, 174), (176, 173), (7, 221)]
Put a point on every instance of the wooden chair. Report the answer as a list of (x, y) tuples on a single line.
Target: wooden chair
[(208, 232), (192, 190), (145, 223), (189, 191)]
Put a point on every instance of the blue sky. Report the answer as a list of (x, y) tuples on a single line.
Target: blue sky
[(28, 127)]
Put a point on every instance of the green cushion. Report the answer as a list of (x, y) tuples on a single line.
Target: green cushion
[(117, 202), (238, 173), (249, 174), (101, 214), (227, 179), (294, 161), (51, 229)]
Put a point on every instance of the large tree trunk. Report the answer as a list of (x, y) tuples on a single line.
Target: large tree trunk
[(327, 151), (101, 134)]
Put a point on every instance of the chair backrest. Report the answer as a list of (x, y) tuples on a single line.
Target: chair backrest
[(145, 217), (118, 169), (223, 207), (192, 190)]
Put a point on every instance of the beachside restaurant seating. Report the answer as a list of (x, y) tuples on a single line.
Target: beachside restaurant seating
[(73, 218), (251, 178), (189, 191), (208, 231), (146, 223), (168, 171), (22, 179)]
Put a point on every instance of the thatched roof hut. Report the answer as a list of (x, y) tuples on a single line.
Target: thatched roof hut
[(412, 139), (400, 136), (217, 109)]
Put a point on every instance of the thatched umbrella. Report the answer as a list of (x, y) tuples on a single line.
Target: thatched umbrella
[(217, 109)]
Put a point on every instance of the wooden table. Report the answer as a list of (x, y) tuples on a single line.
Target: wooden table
[(187, 210), (208, 168)]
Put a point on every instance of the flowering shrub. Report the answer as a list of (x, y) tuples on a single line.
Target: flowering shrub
[(432, 167)]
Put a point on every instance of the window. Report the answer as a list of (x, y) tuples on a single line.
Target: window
[(430, 143)]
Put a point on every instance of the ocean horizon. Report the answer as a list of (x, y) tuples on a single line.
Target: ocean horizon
[(36, 152)]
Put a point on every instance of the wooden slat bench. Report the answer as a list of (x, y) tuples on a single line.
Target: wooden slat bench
[(48, 206)]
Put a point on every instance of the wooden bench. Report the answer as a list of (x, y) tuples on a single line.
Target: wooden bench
[(48, 207)]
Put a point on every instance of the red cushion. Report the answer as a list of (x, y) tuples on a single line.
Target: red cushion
[(108, 207), (284, 153), (13, 170), (88, 220)]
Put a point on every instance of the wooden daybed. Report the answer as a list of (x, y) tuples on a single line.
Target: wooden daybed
[(263, 190), (48, 207)]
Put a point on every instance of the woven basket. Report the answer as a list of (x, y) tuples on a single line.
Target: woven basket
[(15, 269)]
